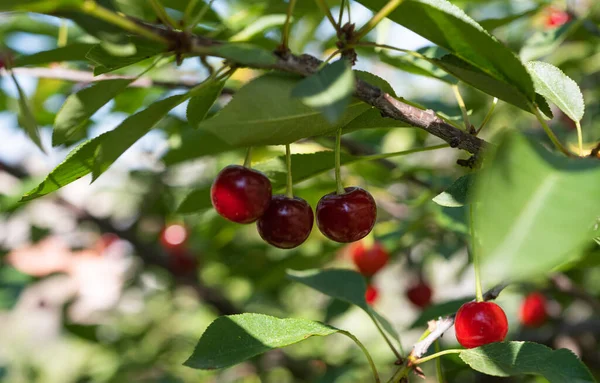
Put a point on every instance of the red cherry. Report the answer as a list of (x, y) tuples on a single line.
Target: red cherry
[(556, 18), (182, 262), (419, 294), (479, 323), (346, 217), (371, 294), (533, 310), (173, 236), (240, 194), (286, 223), (369, 260)]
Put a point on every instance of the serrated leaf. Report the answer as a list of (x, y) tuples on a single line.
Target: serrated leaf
[(536, 209), (71, 52), (235, 338), (26, 120), (109, 57), (456, 194), (558, 88), (446, 25), (328, 91), (96, 155), (202, 100), (80, 106), (437, 310), (263, 112), (519, 358), (244, 54)]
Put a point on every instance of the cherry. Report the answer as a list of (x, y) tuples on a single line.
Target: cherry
[(173, 236), (556, 18), (533, 310), (346, 217), (419, 294), (240, 194), (479, 323), (369, 260), (371, 294), (286, 223)]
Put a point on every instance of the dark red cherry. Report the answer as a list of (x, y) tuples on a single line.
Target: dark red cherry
[(533, 310), (369, 260), (479, 323), (240, 194), (371, 294), (419, 294), (346, 217), (286, 223), (173, 236)]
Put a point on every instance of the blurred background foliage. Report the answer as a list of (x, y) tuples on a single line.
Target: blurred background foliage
[(89, 293)]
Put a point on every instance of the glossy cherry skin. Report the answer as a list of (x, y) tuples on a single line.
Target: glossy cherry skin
[(346, 217), (533, 310), (419, 294), (479, 323), (287, 222), (240, 194), (369, 260), (174, 236), (371, 294)]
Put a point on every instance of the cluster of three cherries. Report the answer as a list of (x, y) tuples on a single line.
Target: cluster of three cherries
[(244, 195)]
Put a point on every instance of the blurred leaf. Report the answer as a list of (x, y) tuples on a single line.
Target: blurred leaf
[(40, 6), (26, 120), (536, 208), (446, 25), (80, 106), (543, 43), (232, 339), (328, 91), (244, 54), (202, 100), (420, 66), (557, 87), (110, 57), (335, 308), (196, 144), (519, 358), (491, 24), (259, 26), (96, 155), (263, 112), (71, 52), (437, 310), (456, 194), (372, 119)]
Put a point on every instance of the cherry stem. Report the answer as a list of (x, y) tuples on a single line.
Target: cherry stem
[(438, 364), (286, 27), (199, 16), (401, 373), (366, 352), (340, 16), (162, 14), (288, 160), (463, 108), (387, 340), (63, 34), (579, 137), (248, 159), (437, 355), (338, 176), (475, 256), (550, 133), (488, 116), (382, 14), (325, 9)]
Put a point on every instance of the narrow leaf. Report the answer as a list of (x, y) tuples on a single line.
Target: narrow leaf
[(456, 194), (202, 101), (109, 57), (245, 54), (27, 121), (519, 358), (71, 52), (420, 66)]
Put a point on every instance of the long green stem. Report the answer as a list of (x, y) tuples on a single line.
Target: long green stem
[(288, 160), (437, 355), (187, 13), (286, 27), (338, 176), (91, 8), (463, 108), (199, 16), (549, 132), (248, 159), (63, 33), (475, 255), (325, 9), (438, 364), (401, 373), (579, 137), (366, 352), (383, 13), (340, 16), (488, 116), (328, 59), (382, 156), (162, 14), (385, 337)]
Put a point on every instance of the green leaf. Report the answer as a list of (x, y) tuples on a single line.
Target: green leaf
[(259, 26), (71, 52), (263, 112), (196, 144), (420, 66), (244, 54), (233, 339), (437, 310), (491, 24), (26, 120), (80, 106), (446, 25), (544, 43), (536, 209), (557, 87), (518, 358), (328, 91), (202, 101), (40, 6), (96, 155), (456, 194), (110, 57)]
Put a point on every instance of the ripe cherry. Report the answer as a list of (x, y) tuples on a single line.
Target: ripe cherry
[(287, 222), (369, 260), (479, 323), (371, 294), (346, 217), (556, 17), (240, 194), (173, 236), (533, 310), (419, 294)]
